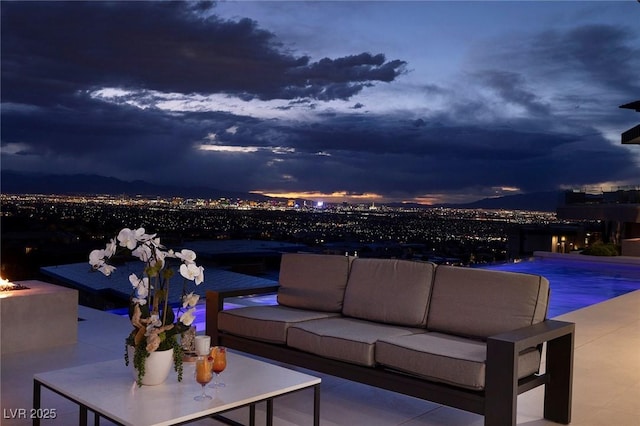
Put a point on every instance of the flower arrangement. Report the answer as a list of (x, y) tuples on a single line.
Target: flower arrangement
[(155, 324)]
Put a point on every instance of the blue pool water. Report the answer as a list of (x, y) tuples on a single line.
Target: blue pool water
[(574, 284), (577, 284)]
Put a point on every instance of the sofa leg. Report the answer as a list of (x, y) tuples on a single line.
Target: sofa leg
[(501, 387), (214, 304), (558, 390)]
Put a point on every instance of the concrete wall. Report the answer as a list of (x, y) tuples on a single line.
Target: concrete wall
[(631, 247), (44, 315)]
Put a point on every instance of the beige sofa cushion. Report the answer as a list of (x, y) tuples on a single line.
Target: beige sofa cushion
[(313, 281), (266, 323), (390, 291), (344, 339), (481, 303), (444, 358)]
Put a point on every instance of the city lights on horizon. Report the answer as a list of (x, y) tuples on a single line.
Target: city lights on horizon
[(281, 204), (333, 197)]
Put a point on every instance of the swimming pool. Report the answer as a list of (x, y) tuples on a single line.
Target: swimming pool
[(577, 284), (574, 284)]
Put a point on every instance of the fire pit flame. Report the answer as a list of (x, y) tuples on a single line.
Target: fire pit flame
[(6, 285)]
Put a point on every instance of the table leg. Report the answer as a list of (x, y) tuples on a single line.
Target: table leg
[(316, 405), (36, 401), (252, 415), (37, 391), (269, 412), (82, 420)]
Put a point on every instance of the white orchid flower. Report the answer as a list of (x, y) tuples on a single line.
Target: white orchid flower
[(106, 269), (146, 238), (188, 256), (97, 261), (127, 238), (200, 277), (188, 317), (139, 301), (190, 271), (134, 280), (96, 258), (143, 288), (110, 250), (140, 284), (142, 252), (141, 236), (190, 300)]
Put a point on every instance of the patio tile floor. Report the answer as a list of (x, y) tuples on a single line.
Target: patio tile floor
[(606, 378)]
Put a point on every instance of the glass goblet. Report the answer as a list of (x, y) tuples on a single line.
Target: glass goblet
[(219, 364), (203, 376)]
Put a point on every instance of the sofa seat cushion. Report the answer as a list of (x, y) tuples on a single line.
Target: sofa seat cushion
[(444, 358), (313, 281), (266, 323), (389, 291), (479, 303), (344, 339)]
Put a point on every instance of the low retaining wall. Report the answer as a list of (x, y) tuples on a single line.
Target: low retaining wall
[(631, 247), (42, 316)]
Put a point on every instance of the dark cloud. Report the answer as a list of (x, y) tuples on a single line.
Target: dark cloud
[(56, 55), (605, 57), (76, 46), (605, 54), (511, 87), (375, 154)]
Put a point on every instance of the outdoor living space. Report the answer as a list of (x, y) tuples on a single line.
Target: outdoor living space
[(605, 391)]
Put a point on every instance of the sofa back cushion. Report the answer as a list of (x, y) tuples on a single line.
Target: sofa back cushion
[(313, 281), (480, 303), (389, 291)]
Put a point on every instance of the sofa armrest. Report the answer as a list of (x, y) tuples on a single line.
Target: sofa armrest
[(215, 304), (502, 383), (534, 335)]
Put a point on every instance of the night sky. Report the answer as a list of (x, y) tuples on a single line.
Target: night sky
[(337, 101)]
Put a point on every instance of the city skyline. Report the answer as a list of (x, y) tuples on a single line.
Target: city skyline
[(427, 102)]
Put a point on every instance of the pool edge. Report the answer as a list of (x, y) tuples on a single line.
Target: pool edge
[(613, 260)]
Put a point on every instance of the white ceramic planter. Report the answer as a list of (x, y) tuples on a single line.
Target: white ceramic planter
[(156, 368)]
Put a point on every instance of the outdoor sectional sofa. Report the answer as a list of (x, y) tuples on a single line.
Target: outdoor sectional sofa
[(468, 338)]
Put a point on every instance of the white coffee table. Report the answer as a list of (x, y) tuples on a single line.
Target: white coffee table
[(109, 390)]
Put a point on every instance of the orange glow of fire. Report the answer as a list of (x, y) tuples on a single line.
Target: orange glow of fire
[(6, 285)]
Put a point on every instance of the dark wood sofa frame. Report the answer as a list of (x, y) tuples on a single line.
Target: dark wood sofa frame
[(498, 401)]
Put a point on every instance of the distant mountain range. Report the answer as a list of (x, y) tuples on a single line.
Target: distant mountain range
[(28, 183), (536, 201)]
